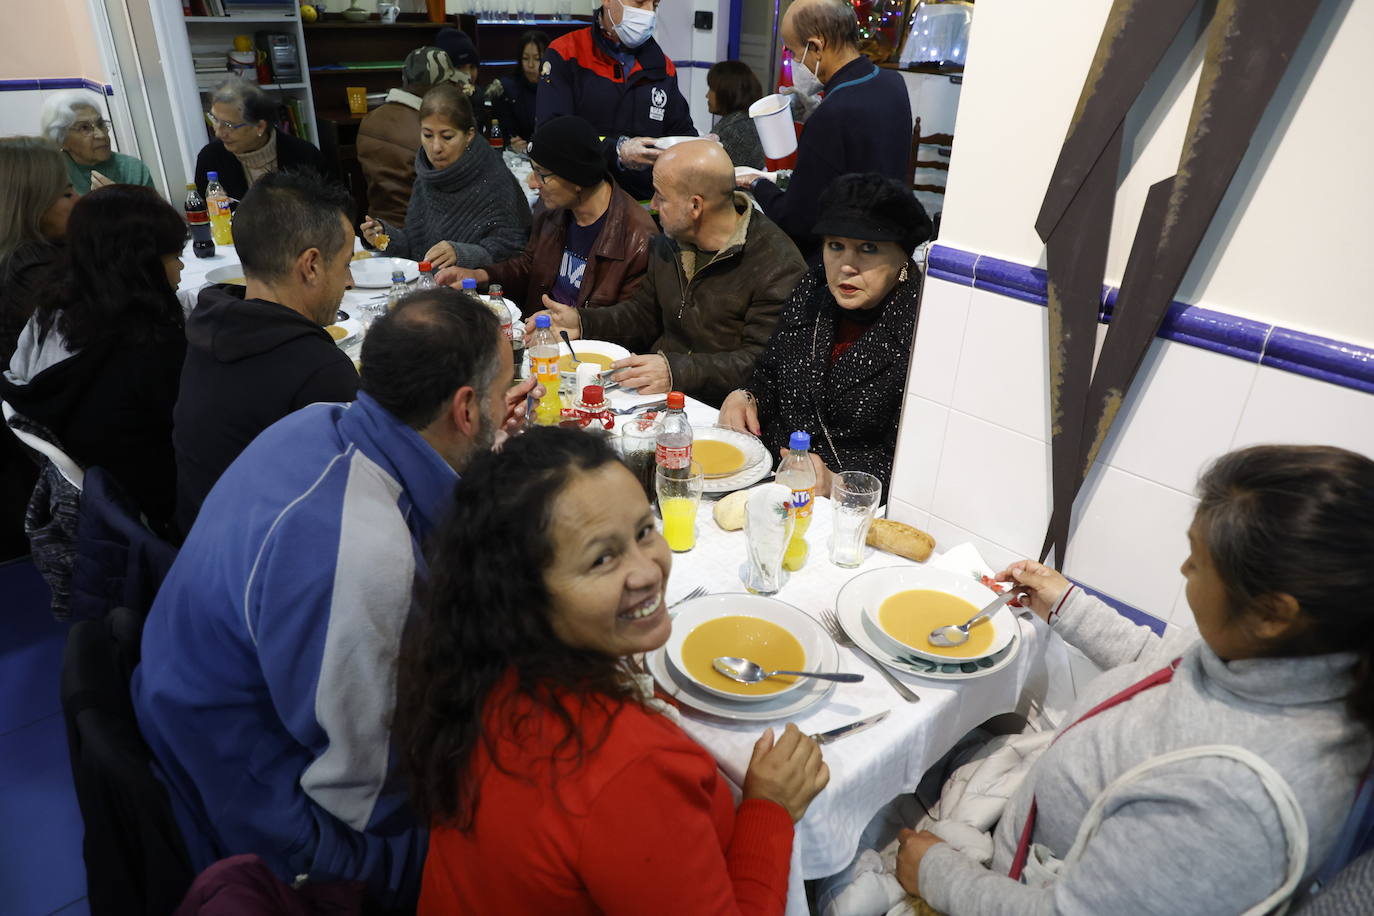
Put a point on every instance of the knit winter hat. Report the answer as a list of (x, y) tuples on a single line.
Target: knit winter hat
[(873, 208), (569, 147), (459, 46), (428, 66)]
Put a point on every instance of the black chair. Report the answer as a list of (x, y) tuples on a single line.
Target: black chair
[(136, 860), (119, 561)]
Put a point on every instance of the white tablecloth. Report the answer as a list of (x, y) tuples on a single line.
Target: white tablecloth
[(871, 768)]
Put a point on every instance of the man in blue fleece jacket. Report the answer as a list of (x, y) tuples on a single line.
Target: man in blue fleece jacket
[(267, 685)]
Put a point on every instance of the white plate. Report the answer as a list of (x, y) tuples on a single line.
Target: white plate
[(670, 142), (852, 620), (604, 347), (353, 326), (870, 589), (692, 614), (753, 448), (748, 171), (375, 273), (229, 273)]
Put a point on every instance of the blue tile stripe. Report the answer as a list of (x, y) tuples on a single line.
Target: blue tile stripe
[(1338, 362), (74, 82)]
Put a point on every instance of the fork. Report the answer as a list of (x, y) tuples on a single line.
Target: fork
[(694, 593), (837, 633)]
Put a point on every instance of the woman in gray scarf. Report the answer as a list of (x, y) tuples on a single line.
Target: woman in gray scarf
[(467, 209)]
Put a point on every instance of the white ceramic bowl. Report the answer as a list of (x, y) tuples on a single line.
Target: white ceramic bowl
[(872, 588), (670, 142), (229, 273), (691, 614), (375, 273)]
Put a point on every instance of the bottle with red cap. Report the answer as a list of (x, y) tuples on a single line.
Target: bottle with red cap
[(426, 280), (674, 447), (590, 411)]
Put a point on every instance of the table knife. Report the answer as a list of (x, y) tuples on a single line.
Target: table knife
[(835, 734)]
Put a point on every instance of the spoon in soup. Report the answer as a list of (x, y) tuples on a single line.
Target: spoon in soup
[(568, 340), (950, 636), (747, 672)]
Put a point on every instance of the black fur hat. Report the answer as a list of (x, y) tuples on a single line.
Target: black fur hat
[(874, 208)]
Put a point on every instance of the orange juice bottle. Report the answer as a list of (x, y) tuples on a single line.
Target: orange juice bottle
[(544, 354), (797, 473)]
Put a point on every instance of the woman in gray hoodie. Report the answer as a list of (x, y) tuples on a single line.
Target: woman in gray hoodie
[(467, 209), (1281, 666)]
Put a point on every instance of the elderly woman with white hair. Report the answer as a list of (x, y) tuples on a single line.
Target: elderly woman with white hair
[(247, 143), (72, 121)]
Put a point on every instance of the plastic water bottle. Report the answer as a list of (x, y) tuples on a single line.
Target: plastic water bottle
[(544, 355), (198, 218), (217, 201), (673, 450), (497, 303), (426, 280), (398, 288), (797, 474)]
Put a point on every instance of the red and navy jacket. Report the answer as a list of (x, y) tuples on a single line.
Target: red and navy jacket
[(583, 74)]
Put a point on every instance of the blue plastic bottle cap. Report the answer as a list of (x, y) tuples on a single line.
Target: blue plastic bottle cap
[(469, 283), (398, 276), (541, 321), (212, 176), (800, 441)]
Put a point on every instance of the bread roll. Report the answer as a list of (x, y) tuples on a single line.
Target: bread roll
[(729, 511), (903, 540)]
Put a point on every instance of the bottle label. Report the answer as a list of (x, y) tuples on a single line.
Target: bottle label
[(673, 456), (221, 205), (197, 217), (803, 501), (544, 367)]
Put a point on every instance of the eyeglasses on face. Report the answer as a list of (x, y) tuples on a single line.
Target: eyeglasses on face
[(542, 176), (217, 124), (89, 127)]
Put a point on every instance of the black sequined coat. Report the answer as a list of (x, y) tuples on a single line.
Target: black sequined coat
[(858, 401)]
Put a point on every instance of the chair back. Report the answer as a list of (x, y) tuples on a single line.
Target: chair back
[(119, 561), (49, 450), (136, 860)]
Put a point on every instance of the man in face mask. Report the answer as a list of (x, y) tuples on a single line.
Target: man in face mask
[(616, 76), (863, 123)]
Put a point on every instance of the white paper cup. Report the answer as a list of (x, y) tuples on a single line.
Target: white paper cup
[(772, 116)]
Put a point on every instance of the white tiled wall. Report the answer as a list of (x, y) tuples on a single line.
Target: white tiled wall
[(973, 460)]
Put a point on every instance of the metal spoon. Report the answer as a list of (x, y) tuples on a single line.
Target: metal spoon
[(747, 672), (958, 635), (568, 340)]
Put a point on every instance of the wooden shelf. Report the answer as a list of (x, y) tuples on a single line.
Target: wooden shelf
[(351, 71), (224, 20)]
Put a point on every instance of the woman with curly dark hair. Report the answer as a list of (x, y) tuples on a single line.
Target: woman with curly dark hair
[(553, 780), (836, 363), (99, 363)]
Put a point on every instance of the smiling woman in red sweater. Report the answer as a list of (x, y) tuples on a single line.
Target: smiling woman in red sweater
[(554, 780)]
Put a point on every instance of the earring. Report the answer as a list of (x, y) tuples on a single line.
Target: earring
[(901, 277)]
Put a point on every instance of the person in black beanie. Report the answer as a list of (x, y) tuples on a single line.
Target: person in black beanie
[(463, 53), (837, 361), (589, 245)]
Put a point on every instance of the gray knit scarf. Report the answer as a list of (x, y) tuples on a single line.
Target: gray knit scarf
[(475, 204)]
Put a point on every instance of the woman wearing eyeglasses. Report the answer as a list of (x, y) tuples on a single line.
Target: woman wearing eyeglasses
[(247, 145), (589, 245), (71, 120)]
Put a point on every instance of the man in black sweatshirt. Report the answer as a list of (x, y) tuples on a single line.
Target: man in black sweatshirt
[(863, 123), (255, 354)]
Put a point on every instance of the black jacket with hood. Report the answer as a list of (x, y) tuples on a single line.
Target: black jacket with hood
[(249, 363)]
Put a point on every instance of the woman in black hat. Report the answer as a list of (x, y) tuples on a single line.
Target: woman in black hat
[(589, 245), (836, 363)]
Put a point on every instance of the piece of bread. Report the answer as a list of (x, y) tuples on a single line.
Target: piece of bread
[(729, 511), (903, 540)]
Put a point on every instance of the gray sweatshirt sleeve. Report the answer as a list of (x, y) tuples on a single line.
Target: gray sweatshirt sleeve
[(1107, 638), (1196, 838)]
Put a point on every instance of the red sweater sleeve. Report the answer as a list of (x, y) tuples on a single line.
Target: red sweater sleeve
[(653, 843)]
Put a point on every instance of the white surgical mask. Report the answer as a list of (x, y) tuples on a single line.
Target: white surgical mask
[(803, 79), (635, 26)]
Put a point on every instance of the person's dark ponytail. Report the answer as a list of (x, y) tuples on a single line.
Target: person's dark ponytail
[(1299, 520)]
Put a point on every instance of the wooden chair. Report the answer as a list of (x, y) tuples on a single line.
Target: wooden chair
[(929, 164)]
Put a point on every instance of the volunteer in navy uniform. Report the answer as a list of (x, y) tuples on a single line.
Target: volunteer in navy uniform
[(616, 76)]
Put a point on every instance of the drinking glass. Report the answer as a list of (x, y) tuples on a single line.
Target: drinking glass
[(768, 526), (854, 498), (638, 445), (679, 494)]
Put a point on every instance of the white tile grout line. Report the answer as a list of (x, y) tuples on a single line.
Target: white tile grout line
[(1254, 380)]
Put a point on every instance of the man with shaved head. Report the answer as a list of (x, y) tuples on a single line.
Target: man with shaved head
[(716, 283), (863, 123)]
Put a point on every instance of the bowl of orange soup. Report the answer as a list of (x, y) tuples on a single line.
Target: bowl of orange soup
[(763, 630), (902, 605)]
